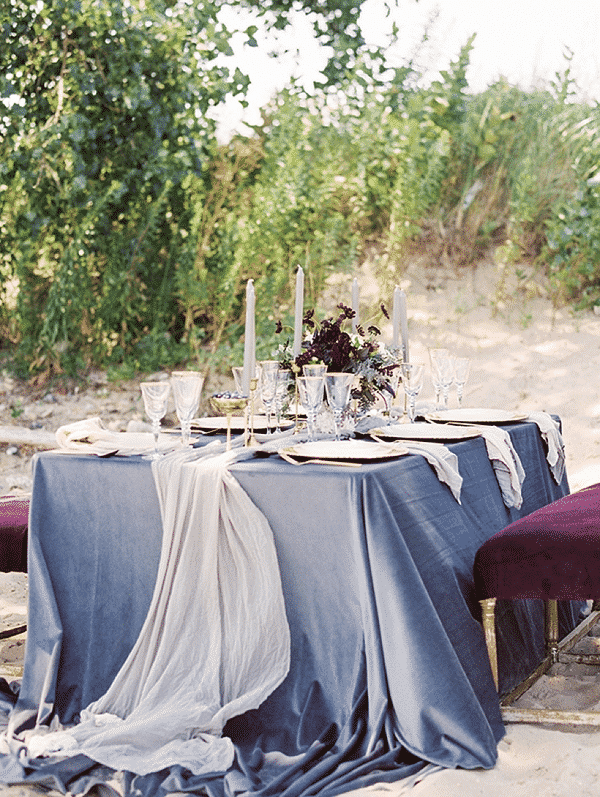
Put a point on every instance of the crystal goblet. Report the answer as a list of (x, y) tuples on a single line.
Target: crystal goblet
[(187, 386), (156, 396), (282, 395), (268, 371), (314, 369), (412, 381), (462, 366), (310, 390), (442, 368), (338, 387), (238, 378), (436, 356)]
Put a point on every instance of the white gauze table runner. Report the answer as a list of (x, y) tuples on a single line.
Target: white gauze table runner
[(215, 642)]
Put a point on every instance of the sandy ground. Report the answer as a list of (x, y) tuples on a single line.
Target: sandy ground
[(525, 356)]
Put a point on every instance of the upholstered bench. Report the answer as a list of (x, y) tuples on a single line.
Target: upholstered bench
[(552, 554), (14, 518)]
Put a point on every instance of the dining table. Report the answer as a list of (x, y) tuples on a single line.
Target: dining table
[(388, 666)]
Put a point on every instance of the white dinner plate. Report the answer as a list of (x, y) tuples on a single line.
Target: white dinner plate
[(438, 432), (362, 450), (219, 424), (477, 415)]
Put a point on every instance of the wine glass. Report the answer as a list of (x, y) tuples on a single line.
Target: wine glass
[(462, 366), (436, 356), (187, 386), (310, 389), (412, 381), (268, 371), (282, 394), (443, 368), (155, 395), (314, 370), (338, 387), (238, 378)]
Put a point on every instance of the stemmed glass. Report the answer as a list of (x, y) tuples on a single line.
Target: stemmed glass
[(268, 370), (238, 378), (436, 357), (462, 366), (412, 381), (155, 395), (282, 394), (310, 389), (442, 369), (187, 386), (314, 370), (338, 387)]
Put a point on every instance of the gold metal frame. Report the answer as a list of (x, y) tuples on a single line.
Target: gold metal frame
[(555, 651)]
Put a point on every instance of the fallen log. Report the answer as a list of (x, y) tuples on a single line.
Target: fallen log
[(20, 435)]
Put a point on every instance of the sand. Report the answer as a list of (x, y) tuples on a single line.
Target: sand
[(525, 355)]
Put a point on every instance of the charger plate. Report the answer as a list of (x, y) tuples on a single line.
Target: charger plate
[(218, 424), (477, 415), (357, 450), (434, 432)]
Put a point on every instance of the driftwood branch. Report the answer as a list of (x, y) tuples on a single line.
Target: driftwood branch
[(20, 435)]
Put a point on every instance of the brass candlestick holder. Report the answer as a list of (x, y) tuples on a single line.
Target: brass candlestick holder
[(227, 405)]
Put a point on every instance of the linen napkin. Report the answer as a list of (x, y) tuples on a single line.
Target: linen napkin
[(215, 642), (550, 431), (441, 459), (90, 436), (505, 462)]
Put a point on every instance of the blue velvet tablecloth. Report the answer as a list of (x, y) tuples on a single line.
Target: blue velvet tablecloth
[(389, 667)]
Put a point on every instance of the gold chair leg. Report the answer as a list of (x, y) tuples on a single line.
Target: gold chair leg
[(488, 611), (551, 629)]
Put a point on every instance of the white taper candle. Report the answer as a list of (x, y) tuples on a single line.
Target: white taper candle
[(249, 339), (298, 311)]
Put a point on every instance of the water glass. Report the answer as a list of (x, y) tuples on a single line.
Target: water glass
[(156, 396), (436, 358), (412, 381), (282, 395), (442, 369), (310, 390), (238, 378), (187, 386), (268, 371), (462, 366), (338, 387), (314, 370)]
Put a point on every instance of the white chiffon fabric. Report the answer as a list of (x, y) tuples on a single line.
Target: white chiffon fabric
[(215, 642)]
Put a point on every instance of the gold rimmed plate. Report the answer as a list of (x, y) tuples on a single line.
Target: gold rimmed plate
[(476, 415), (351, 450), (218, 424), (433, 432)]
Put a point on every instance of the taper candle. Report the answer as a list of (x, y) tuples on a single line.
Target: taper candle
[(298, 311), (249, 339)]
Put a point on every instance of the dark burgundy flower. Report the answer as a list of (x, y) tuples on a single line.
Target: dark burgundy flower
[(384, 311)]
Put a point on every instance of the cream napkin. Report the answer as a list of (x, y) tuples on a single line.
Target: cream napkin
[(505, 462), (441, 459), (90, 436), (550, 431)]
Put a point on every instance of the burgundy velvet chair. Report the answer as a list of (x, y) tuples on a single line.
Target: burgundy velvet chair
[(14, 518), (552, 554)]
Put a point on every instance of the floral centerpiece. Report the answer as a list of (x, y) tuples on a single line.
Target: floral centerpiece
[(360, 352)]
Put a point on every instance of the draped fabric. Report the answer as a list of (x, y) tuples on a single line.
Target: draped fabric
[(215, 642)]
